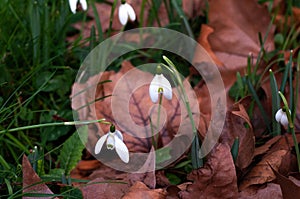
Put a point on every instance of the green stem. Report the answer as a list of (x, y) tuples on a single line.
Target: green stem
[(158, 119), (296, 147), (155, 12), (55, 124), (111, 17), (275, 103), (297, 88), (142, 13), (291, 125), (196, 161)]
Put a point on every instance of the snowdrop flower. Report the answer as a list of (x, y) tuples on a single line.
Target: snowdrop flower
[(281, 117), (114, 140), (73, 5), (160, 85), (126, 11)]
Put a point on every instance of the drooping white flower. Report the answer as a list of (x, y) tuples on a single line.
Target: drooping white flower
[(160, 85), (126, 11), (281, 117), (114, 140), (73, 5)]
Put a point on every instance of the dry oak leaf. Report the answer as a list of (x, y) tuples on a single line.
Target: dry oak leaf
[(235, 127), (106, 173), (103, 189), (140, 190), (266, 147), (228, 75), (284, 143), (217, 179), (244, 134), (290, 189), (268, 191), (236, 26), (203, 41), (262, 172), (30, 178)]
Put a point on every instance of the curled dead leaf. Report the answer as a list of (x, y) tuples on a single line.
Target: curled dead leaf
[(290, 190), (262, 173), (30, 178), (217, 179), (238, 125)]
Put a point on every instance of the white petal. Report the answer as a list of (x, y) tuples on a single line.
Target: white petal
[(130, 12), (278, 115), (122, 150), (123, 15), (119, 134), (153, 91), (165, 84), (284, 120), (167, 87), (83, 4), (100, 143), (110, 142), (73, 5)]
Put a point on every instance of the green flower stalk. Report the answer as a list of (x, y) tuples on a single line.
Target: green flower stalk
[(290, 123), (195, 150), (55, 124)]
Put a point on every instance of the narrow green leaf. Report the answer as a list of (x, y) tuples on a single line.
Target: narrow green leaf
[(71, 152), (291, 89), (235, 149), (285, 75), (196, 161), (98, 23), (183, 17), (260, 106), (4, 163), (275, 104), (162, 155), (294, 106)]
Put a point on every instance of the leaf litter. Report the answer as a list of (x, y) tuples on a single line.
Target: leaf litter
[(258, 172)]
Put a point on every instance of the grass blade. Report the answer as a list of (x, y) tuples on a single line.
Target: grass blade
[(275, 104)]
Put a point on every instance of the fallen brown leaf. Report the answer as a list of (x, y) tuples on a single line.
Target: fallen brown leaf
[(140, 190), (266, 147), (203, 41), (245, 135), (268, 191), (236, 30), (30, 178), (238, 125), (262, 173), (101, 188), (290, 190), (217, 179)]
